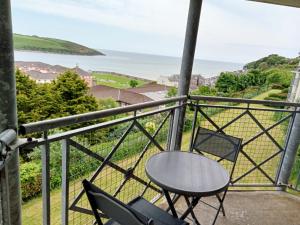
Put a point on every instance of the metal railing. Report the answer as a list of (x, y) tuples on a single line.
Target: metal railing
[(265, 131), (112, 154)]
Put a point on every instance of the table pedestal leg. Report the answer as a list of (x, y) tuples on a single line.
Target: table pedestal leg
[(174, 200)]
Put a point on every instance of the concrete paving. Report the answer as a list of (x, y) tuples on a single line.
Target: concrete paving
[(251, 208)]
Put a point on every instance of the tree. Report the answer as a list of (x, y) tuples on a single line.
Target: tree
[(73, 92), (35, 102), (268, 62), (256, 78), (205, 90), (133, 83), (172, 92), (227, 82), (108, 103), (279, 77)]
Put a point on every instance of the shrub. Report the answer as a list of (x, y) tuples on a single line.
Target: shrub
[(280, 77), (31, 179), (286, 90), (277, 86), (281, 96)]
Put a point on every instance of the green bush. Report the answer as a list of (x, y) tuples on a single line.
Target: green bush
[(277, 86), (273, 98), (281, 96), (280, 77), (286, 90), (31, 179)]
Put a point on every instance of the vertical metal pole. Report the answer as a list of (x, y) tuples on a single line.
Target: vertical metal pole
[(5, 195), (8, 109), (9, 182), (65, 182), (194, 127), (291, 151), (170, 130), (186, 68), (46, 180)]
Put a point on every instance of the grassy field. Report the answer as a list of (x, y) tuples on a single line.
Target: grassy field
[(114, 80), (43, 44), (110, 179)]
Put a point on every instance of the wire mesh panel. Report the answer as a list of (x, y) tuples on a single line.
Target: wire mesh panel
[(217, 144), (115, 164), (264, 133), (112, 156)]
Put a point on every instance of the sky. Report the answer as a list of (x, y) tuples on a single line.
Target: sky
[(230, 30)]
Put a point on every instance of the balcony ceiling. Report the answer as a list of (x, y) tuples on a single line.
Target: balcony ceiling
[(293, 3)]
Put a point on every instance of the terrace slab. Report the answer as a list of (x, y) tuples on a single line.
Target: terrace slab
[(251, 208)]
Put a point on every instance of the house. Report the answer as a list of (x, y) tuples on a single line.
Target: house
[(294, 94), (196, 81), (122, 96), (44, 73), (152, 90)]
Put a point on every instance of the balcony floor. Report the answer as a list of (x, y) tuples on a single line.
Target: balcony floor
[(251, 208)]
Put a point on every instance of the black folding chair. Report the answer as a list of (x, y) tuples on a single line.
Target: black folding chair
[(137, 212), (224, 147)]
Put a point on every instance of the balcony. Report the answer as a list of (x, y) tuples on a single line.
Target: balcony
[(113, 154)]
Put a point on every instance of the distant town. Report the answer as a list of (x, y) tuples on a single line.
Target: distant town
[(148, 90)]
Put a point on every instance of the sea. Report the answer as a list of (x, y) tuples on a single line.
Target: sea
[(136, 64)]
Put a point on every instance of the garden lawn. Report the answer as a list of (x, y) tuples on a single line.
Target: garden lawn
[(116, 81)]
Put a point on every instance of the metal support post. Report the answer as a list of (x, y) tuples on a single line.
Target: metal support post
[(186, 68), (291, 151), (10, 200), (65, 182)]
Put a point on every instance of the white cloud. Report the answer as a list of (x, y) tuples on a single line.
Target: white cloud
[(151, 16), (234, 29)]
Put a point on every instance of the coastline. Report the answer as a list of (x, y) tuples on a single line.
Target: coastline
[(149, 67), (58, 53)]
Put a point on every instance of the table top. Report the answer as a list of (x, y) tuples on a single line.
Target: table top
[(187, 173)]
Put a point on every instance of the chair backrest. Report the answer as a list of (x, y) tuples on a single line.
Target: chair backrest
[(217, 144), (112, 207)]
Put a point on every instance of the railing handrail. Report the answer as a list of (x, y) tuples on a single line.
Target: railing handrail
[(86, 117), (90, 128), (242, 100)]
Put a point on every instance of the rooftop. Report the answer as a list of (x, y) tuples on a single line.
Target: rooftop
[(149, 87), (120, 95)]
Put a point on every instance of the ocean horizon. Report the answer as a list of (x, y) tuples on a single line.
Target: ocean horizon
[(147, 66)]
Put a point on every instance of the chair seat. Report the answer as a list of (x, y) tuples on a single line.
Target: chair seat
[(159, 216)]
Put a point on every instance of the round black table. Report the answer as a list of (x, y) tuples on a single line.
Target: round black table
[(187, 174)]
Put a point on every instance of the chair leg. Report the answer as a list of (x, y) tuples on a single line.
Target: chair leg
[(221, 204), (192, 211), (190, 208), (221, 200)]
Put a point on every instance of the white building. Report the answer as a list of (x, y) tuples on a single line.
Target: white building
[(294, 95)]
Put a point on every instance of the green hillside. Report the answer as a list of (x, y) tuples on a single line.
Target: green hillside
[(43, 44)]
